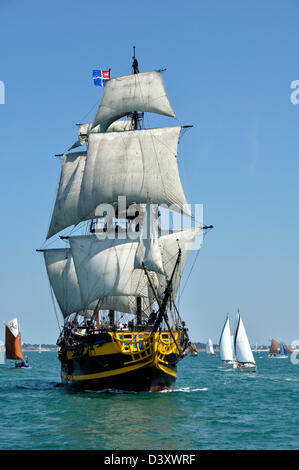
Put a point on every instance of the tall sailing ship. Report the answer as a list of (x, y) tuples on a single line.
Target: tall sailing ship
[(117, 284)]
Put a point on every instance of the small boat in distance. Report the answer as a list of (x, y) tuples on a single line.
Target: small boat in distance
[(13, 344), (192, 349), (210, 348), (279, 350), (226, 344), (243, 353), (2, 352)]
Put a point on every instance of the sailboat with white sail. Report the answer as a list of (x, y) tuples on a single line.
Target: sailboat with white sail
[(210, 348), (115, 286), (226, 344), (243, 353)]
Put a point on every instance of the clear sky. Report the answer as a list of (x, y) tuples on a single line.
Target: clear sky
[(229, 69)]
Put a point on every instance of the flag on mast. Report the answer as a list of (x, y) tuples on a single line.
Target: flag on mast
[(100, 77)]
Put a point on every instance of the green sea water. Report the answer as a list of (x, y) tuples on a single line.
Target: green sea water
[(210, 408)]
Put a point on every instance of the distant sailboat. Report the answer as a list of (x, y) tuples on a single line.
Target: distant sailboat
[(2, 353), (210, 348), (192, 349), (226, 344), (243, 353), (13, 343), (279, 350)]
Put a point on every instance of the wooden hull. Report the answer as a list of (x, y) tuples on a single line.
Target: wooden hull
[(122, 361)]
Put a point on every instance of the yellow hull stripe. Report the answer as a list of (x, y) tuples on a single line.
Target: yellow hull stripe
[(167, 370), (109, 373)]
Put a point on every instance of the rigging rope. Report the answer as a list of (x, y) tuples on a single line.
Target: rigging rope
[(53, 300)]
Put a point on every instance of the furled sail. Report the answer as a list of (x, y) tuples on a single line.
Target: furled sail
[(65, 211), (136, 164), (148, 251), (144, 92)]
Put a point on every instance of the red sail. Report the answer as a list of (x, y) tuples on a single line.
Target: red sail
[(275, 347), (13, 346), (288, 349), (192, 349)]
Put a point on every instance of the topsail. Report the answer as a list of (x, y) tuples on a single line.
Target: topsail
[(143, 92), (137, 164)]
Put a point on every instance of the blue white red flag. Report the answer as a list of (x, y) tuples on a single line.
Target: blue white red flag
[(100, 77)]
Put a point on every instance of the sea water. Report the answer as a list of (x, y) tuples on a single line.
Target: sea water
[(212, 407)]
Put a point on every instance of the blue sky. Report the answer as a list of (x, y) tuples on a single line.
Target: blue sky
[(229, 69)]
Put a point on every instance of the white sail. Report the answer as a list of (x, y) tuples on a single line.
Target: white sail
[(86, 129), (63, 279), (143, 92), (65, 211), (64, 282), (127, 304), (137, 165), (169, 247), (106, 268), (13, 326), (210, 347), (243, 350), (225, 344)]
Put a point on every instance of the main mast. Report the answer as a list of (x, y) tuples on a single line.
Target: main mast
[(137, 117)]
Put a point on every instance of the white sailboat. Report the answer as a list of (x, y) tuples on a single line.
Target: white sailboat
[(226, 344), (243, 353), (210, 348)]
